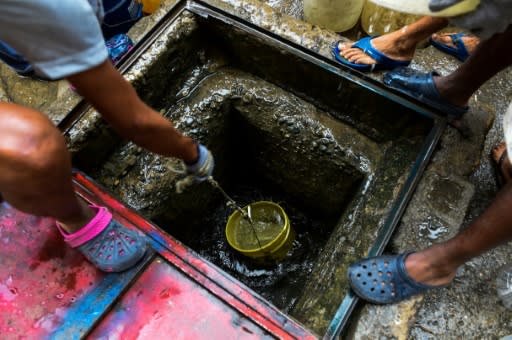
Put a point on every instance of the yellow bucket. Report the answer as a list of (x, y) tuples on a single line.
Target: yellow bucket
[(271, 225)]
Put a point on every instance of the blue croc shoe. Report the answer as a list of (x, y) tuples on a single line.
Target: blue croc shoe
[(383, 62), (422, 87), (384, 280), (458, 50)]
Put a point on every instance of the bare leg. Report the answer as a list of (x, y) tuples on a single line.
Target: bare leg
[(398, 45), (35, 168), (489, 57), (437, 264)]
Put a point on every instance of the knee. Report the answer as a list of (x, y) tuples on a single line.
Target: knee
[(43, 150), (31, 144)]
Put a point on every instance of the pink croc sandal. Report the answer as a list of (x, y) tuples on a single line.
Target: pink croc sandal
[(106, 243)]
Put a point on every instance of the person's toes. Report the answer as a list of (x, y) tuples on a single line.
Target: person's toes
[(351, 52), (500, 157), (364, 59), (358, 56), (498, 150), (354, 55), (469, 41), (444, 39), (350, 55), (343, 46)]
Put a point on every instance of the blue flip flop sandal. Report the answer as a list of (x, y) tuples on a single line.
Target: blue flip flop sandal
[(459, 50), (422, 87), (384, 280), (383, 62)]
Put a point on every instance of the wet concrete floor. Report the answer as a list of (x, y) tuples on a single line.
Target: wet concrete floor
[(456, 187), (459, 179)]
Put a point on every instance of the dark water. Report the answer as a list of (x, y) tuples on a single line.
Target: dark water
[(280, 283)]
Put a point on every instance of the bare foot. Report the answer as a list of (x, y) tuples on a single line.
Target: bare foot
[(470, 41), (392, 45), (503, 166)]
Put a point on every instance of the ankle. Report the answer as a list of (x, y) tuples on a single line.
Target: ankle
[(425, 269), (77, 221), (395, 45), (405, 44), (450, 92)]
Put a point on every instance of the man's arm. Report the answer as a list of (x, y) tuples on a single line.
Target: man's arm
[(116, 100)]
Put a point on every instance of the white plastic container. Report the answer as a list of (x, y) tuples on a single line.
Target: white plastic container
[(378, 20), (335, 15)]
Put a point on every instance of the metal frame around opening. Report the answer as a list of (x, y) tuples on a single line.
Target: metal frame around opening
[(347, 305), (198, 7)]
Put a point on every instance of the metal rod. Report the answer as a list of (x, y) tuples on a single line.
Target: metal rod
[(232, 203)]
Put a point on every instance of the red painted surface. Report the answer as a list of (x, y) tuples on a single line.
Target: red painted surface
[(166, 304), (219, 284), (40, 276), (179, 296)]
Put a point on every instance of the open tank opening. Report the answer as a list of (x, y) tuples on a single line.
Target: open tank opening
[(248, 178), (281, 127)]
